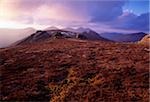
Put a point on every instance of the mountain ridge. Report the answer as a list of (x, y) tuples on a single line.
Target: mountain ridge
[(59, 33), (80, 33), (119, 37)]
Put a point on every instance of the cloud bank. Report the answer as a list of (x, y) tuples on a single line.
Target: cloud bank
[(100, 15)]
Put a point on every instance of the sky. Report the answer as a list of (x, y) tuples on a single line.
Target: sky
[(100, 15)]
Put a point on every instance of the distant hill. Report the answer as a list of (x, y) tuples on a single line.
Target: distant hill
[(133, 37)]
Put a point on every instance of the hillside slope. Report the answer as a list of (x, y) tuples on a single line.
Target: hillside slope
[(69, 70), (145, 40)]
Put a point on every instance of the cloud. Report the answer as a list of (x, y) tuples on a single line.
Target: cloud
[(141, 22), (78, 12), (104, 14), (104, 11), (92, 10), (59, 13), (130, 21), (6, 9)]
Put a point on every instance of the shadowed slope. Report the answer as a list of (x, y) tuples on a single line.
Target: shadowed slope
[(117, 37)]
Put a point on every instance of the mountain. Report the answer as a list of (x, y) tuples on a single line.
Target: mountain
[(87, 33), (133, 37), (53, 34), (40, 35), (35, 37), (91, 35), (9, 36), (68, 70)]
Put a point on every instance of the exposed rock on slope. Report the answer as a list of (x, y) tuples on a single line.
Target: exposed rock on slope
[(145, 40), (87, 33)]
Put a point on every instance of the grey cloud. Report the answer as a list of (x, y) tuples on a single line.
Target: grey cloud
[(132, 22)]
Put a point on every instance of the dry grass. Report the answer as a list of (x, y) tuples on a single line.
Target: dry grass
[(67, 70)]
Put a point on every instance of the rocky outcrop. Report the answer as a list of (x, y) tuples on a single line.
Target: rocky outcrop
[(145, 40), (80, 36)]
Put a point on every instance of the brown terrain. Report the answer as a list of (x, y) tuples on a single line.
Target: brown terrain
[(145, 40), (70, 70)]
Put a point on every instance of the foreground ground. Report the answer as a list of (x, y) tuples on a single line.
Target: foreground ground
[(75, 71)]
